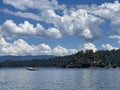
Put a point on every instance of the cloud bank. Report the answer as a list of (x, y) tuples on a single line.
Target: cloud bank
[(11, 29), (21, 47)]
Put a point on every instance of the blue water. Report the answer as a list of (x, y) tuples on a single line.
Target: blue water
[(59, 79)]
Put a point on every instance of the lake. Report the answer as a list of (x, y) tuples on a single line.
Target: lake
[(59, 79)]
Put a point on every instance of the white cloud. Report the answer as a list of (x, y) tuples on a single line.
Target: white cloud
[(53, 32), (110, 11), (42, 49), (61, 51), (11, 29), (21, 47), (108, 47), (106, 10), (89, 46), (23, 14), (49, 16), (115, 37), (80, 23), (2, 41), (34, 4)]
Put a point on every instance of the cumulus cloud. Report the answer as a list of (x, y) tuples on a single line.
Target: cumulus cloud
[(108, 47), (78, 23), (16, 48), (49, 16), (89, 46), (21, 47), (11, 29), (59, 50), (81, 24), (109, 11), (53, 32)]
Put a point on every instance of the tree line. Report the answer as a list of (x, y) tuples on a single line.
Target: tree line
[(100, 58)]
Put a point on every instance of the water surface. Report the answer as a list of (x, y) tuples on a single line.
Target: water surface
[(59, 79)]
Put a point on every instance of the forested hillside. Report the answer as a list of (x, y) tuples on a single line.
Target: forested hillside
[(101, 58)]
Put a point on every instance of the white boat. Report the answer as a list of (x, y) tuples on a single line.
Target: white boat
[(32, 68)]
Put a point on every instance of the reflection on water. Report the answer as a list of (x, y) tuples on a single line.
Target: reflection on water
[(60, 79)]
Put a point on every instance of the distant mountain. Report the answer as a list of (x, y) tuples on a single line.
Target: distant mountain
[(30, 57)]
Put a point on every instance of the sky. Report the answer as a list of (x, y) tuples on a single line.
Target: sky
[(58, 27)]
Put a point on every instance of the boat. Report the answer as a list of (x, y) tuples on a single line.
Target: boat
[(32, 68)]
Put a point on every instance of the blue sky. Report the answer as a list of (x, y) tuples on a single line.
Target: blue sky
[(58, 27)]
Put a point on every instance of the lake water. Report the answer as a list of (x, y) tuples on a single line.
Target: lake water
[(59, 79)]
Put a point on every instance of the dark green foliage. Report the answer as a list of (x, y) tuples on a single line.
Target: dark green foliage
[(101, 58)]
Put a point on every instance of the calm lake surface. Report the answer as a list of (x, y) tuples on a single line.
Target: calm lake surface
[(59, 79)]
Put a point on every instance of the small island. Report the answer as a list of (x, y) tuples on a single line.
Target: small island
[(87, 59)]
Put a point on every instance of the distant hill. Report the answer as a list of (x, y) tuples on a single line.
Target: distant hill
[(30, 57), (87, 59)]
